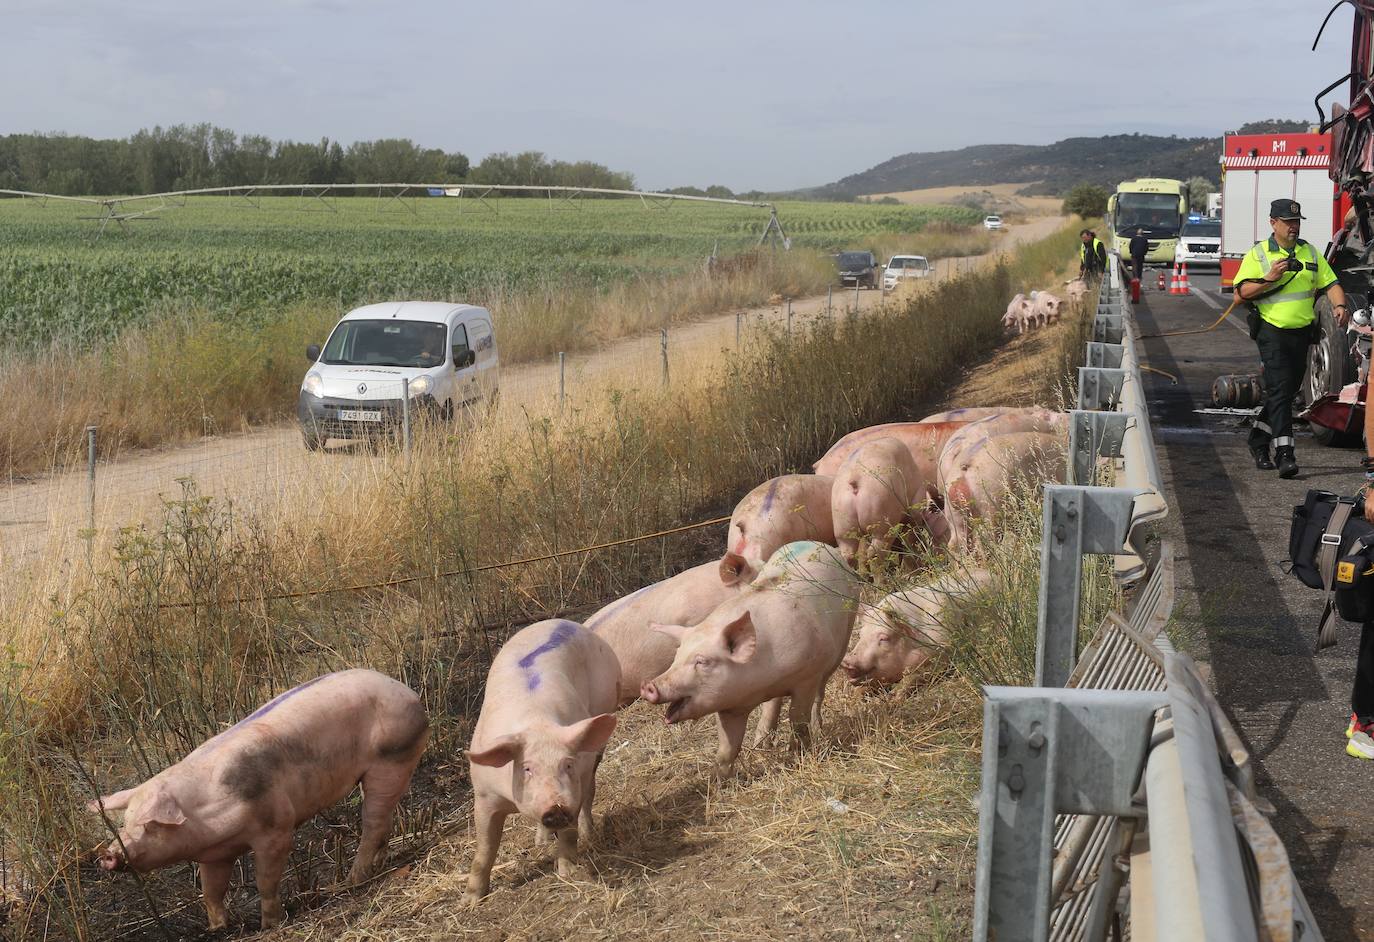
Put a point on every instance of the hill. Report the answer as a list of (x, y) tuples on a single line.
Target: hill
[(1049, 169)]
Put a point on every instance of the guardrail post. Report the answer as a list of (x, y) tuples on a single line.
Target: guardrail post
[(1047, 752), (1099, 388), (1105, 355), (1108, 328), (1093, 435), (1076, 520)]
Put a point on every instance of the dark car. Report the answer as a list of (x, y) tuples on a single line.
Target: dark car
[(857, 268)]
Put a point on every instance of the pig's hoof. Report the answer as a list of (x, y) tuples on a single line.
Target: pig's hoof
[(567, 869), (472, 899), (219, 922)]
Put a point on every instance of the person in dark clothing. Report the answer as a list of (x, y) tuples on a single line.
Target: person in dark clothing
[(1140, 247), (1092, 254)]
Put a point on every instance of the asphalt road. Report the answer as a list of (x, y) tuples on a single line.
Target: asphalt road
[(1251, 622)]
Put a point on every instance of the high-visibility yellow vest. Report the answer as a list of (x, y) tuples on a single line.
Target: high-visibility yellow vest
[(1292, 305), (1083, 249)]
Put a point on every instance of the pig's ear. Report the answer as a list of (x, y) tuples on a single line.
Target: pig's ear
[(673, 631), (164, 809), (591, 734), (116, 802), (740, 638), (732, 568), (502, 751)]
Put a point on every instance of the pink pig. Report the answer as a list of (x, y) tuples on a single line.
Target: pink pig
[(1020, 313), (777, 512), (546, 716), (684, 599), (1046, 308), (874, 491), (981, 476), (899, 634), (925, 440), (1077, 289), (250, 786), (975, 413), (784, 635)]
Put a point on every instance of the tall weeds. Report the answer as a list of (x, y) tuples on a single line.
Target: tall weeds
[(121, 667)]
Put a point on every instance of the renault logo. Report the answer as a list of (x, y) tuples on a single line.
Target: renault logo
[(362, 388)]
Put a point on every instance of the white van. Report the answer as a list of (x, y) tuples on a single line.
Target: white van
[(905, 266), (353, 389)]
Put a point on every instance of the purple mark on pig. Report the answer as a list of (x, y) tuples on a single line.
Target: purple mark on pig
[(532, 680), (591, 625), (772, 492), (272, 704), (560, 635)]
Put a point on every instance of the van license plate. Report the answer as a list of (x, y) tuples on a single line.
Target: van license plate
[(359, 415)]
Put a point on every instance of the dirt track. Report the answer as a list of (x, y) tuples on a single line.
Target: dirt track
[(38, 519)]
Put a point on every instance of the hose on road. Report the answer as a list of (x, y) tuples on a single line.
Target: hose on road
[(1196, 330)]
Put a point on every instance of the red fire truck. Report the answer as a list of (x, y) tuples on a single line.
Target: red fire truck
[(1257, 169)]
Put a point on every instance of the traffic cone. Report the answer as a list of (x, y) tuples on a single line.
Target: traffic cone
[(1183, 280), (1176, 286), (1161, 279)]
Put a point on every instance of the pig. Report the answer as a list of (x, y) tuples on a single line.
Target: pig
[(1019, 314), (250, 786), (1023, 420), (1077, 290), (684, 599), (1045, 308), (974, 413), (784, 635), (777, 512), (873, 492), (546, 716), (900, 633), (925, 440), (980, 477)]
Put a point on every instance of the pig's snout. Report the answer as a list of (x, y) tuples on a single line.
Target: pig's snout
[(649, 692), (853, 670), (556, 818), (111, 859)]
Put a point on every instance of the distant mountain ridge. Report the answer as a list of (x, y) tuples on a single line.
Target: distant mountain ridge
[(1047, 169)]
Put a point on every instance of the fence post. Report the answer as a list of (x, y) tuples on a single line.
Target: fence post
[(856, 296), (561, 387), (738, 317), (405, 415), (90, 474), (664, 342), (829, 299), (789, 317)]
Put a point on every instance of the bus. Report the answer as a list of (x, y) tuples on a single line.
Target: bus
[(1156, 205)]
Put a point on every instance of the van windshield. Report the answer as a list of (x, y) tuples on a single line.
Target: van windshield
[(386, 343)]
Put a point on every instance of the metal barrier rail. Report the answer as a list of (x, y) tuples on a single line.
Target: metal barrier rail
[(1119, 767)]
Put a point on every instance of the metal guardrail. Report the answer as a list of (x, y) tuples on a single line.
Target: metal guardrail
[(1119, 769)]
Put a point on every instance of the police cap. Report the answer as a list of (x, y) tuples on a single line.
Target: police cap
[(1285, 209)]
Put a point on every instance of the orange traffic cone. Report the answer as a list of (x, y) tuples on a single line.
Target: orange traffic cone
[(1161, 280), (1183, 280), (1176, 286)]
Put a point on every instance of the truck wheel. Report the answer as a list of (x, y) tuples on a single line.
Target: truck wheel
[(1330, 367)]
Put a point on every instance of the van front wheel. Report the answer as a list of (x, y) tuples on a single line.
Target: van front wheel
[(314, 439)]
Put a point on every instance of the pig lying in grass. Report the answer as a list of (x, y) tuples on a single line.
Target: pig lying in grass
[(782, 636), (250, 786), (924, 440), (546, 716), (981, 476), (899, 634)]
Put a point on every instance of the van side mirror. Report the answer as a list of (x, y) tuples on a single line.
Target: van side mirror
[(312, 352), (463, 357)]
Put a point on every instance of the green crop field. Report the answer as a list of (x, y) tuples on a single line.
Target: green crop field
[(222, 255)]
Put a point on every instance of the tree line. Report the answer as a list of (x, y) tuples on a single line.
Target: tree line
[(187, 157)]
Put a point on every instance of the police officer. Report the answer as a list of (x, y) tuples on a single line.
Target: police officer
[(1092, 255), (1281, 278)]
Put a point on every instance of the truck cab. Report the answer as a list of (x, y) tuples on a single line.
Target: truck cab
[(443, 354)]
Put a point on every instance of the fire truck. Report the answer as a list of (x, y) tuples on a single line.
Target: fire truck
[(1257, 169)]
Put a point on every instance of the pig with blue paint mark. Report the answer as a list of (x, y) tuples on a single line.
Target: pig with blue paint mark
[(782, 636), (683, 599), (250, 787), (779, 511), (546, 716)]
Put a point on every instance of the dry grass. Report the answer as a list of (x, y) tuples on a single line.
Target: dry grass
[(995, 197), (101, 680)]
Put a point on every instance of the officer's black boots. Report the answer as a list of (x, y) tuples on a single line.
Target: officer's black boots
[(1288, 461), (1261, 455)]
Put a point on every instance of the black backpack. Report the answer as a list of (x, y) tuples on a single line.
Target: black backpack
[(1331, 547)]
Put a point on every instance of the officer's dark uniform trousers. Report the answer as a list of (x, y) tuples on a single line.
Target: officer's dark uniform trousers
[(1283, 351)]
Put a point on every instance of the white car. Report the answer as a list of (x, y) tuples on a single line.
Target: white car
[(446, 352), (1199, 243), (992, 222), (905, 266)]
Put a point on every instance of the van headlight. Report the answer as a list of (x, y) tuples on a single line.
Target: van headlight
[(421, 385), (313, 384)]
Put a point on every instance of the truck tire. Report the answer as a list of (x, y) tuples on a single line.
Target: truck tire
[(1330, 367)]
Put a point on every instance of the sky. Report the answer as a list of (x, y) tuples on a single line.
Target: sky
[(753, 94)]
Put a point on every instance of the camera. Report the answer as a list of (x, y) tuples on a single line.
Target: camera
[(1292, 265)]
